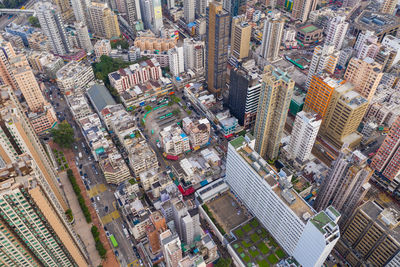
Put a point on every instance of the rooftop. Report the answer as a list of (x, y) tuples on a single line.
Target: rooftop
[(308, 28), (100, 97), (375, 21)]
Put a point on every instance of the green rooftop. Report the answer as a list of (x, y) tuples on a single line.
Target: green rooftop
[(238, 142), (320, 220), (334, 211), (308, 28)]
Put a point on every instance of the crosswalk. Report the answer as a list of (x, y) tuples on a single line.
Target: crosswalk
[(110, 217), (97, 189)]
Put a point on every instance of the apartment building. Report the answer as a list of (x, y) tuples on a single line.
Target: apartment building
[(198, 131), (104, 21), (74, 77), (323, 59), (303, 233), (153, 43), (102, 47), (174, 141), (79, 106), (240, 40), (272, 36)]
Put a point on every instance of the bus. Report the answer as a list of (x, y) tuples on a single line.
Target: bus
[(113, 241)]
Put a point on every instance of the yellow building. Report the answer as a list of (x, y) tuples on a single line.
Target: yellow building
[(345, 111), (240, 39), (104, 21)]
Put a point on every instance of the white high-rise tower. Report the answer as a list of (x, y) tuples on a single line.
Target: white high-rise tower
[(272, 36), (336, 31)]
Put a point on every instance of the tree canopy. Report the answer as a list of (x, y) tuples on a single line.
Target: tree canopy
[(63, 135), (121, 42), (222, 262), (34, 21)]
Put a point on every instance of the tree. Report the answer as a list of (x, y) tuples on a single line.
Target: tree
[(222, 262), (121, 42), (148, 108), (34, 21), (63, 135)]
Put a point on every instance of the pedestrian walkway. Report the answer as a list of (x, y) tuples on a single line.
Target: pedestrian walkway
[(109, 217), (111, 260), (97, 189)]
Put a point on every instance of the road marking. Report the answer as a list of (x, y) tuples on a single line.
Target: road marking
[(97, 189), (106, 219), (134, 263)]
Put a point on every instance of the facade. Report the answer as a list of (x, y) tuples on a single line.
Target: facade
[(153, 43), (394, 44), (345, 112), (272, 36), (176, 61), (319, 94), (102, 47), (275, 95), (336, 31), (244, 93), (28, 215), (193, 53), (217, 41), (389, 6), (309, 34), (371, 236), (323, 59), (174, 140), (240, 40), (74, 76), (6, 52), (154, 229), (198, 131), (235, 7), (104, 21), (189, 7), (187, 221), (53, 27), (133, 11), (299, 230), (301, 9), (171, 248), (303, 135), (387, 158), (80, 10), (365, 74), (152, 15), (83, 38), (346, 184)]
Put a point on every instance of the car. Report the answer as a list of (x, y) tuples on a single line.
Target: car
[(105, 228), (85, 175), (106, 208), (85, 182), (116, 253), (80, 166), (92, 199), (98, 198), (81, 173), (107, 233), (87, 188)]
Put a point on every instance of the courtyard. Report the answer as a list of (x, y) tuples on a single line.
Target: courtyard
[(254, 245)]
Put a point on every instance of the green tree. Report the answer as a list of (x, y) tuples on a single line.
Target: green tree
[(121, 42), (34, 21), (63, 135), (148, 108), (222, 262)]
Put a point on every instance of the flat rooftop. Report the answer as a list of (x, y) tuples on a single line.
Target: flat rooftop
[(308, 28)]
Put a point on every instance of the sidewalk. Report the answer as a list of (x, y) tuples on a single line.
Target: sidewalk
[(111, 260)]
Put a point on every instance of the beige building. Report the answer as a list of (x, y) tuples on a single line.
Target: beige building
[(345, 111), (301, 9), (74, 76), (153, 43), (27, 214), (102, 47), (17, 137), (389, 6), (6, 52), (275, 95), (198, 131), (64, 6), (115, 169), (240, 40), (371, 237), (104, 21), (365, 74)]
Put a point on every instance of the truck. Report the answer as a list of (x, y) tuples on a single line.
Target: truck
[(125, 232), (80, 155)]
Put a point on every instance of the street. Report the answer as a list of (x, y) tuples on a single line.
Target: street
[(101, 193)]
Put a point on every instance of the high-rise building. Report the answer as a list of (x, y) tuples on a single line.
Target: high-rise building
[(240, 40), (387, 159), (323, 59), (235, 7), (187, 222), (301, 9), (389, 6), (346, 184), (64, 6), (217, 41), (171, 4), (345, 112), (193, 52), (304, 133), (152, 15), (6, 52), (82, 35), (18, 137), (392, 43), (79, 8), (32, 231), (176, 60), (171, 248), (133, 11), (244, 93), (336, 31), (319, 94), (189, 7), (53, 27), (273, 105), (272, 36), (102, 47), (371, 236), (104, 21), (26, 82), (201, 7), (307, 235), (365, 74), (367, 45)]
